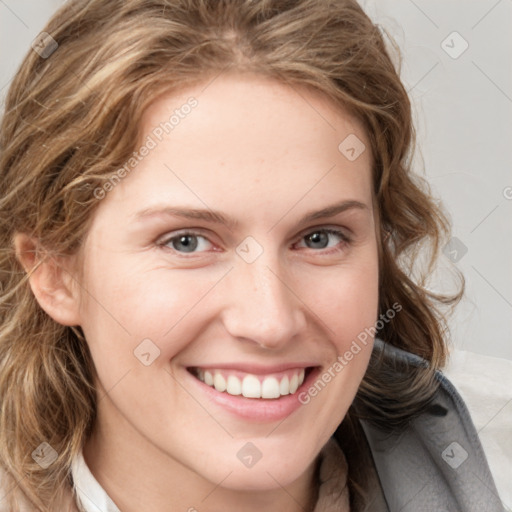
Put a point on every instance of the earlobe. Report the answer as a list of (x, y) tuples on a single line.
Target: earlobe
[(50, 280)]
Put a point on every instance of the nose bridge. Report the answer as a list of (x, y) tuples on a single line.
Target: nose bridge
[(263, 308)]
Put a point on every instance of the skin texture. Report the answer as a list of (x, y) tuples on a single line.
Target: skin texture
[(264, 154)]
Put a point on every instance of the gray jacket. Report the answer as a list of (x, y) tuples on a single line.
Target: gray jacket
[(437, 464)]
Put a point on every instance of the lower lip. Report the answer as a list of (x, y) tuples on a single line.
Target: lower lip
[(256, 409)]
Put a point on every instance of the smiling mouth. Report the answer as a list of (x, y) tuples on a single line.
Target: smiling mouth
[(237, 383)]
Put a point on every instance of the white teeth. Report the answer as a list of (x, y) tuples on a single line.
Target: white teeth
[(251, 387), (284, 387), (219, 382), (270, 388), (234, 386), (208, 378), (294, 384)]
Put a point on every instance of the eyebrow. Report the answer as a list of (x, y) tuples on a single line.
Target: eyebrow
[(217, 217)]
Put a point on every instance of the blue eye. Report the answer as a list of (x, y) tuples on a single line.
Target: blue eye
[(187, 242), (319, 239)]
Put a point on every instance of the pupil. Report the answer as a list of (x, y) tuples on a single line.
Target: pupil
[(319, 237), (188, 242)]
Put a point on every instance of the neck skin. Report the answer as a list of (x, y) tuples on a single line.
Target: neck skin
[(138, 476)]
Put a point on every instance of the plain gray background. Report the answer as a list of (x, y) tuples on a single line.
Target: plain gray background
[(463, 112)]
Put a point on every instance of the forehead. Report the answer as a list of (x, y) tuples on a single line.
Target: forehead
[(251, 101), (247, 138)]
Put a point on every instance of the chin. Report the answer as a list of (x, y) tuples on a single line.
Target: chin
[(262, 479), (269, 472)]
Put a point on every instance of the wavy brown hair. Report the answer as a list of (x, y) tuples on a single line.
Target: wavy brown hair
[(72, 119)]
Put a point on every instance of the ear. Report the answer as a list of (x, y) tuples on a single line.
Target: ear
[(51, 281)]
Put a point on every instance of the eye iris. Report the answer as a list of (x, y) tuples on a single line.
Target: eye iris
[(188, 242), (319, 237)]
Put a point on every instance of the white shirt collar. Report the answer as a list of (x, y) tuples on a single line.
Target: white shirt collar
[(91, 496)]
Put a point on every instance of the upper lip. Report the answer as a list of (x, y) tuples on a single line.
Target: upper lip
[(255, 369)]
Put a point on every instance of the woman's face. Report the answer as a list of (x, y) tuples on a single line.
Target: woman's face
[(240, 252)]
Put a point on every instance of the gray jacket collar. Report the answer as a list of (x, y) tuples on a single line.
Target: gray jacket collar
[(437, 463)]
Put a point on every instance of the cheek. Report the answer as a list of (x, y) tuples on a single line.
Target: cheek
[(347, 303), (127, 304)]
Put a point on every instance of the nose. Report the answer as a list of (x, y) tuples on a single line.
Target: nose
[(262, 305)]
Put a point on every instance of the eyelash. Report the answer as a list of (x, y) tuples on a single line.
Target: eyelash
[(345, 240)]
